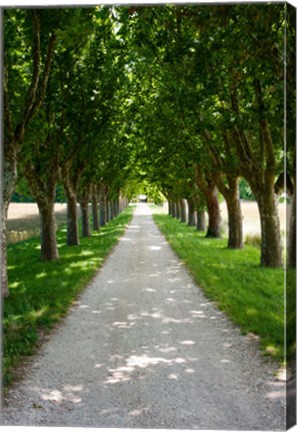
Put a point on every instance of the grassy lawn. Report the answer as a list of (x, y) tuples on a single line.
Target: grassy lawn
[(41, 292), (253, 297)]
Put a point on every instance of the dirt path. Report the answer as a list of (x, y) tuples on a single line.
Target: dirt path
[(143, 348)]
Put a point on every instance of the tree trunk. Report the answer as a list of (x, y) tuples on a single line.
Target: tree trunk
[(271, 248), (84, 208), (9, 182), (235, 237), (102, 211), (95, 213), (170, 207), (113, 209), (291, 251), (107, 209), (178, 209), (191, 212), (70, 178), (230, 191), (210, 192), (44, 192), (214, 215), (183, 212), (84, 199), (4, 277), (174, 209), (201, 220), (200, 212), (49, 248), (72, 223)]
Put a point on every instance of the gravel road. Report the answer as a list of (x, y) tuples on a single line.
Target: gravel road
[(143, 348)]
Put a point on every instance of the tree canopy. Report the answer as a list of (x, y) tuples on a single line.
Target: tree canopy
[(181, 100)]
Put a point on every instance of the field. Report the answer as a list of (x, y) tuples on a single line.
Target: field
[(251, 220), (23, 219)]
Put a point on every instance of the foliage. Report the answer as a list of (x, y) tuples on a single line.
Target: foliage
[(245, 191)]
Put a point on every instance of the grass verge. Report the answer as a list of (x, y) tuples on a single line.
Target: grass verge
[(252, 296), (41, 292)]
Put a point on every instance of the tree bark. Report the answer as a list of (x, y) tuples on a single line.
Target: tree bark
[(107, 209), (210, 192), (174, 209), (95, 209), (72, 222), (271, 248), (214, 214), (70, 183), (235, 236), (291, 250), (230, 190), (178, 209), (84, 208), (201, 220), (102, 211), (4, 277), (104, 207), (9, 183), (84, 198), (42, 180), (191, 212), (49, 248), (170, 211), (183, 212), (200, 212)]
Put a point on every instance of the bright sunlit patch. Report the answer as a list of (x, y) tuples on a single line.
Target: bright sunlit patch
[(54, 396), (155, 248), (173, 376), (187, 342)]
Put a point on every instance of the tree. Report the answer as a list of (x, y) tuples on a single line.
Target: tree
[(29, 45)]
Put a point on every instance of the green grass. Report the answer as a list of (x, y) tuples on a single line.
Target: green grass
[(41, 292), (253, 297)]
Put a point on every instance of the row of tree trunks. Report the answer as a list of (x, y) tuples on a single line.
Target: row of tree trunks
[(193, 217), (104, 208), (261, 177)]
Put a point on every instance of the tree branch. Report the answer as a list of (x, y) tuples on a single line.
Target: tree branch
[(20, 128)]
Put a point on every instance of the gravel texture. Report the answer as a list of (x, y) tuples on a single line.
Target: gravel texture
[(143, 348)]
